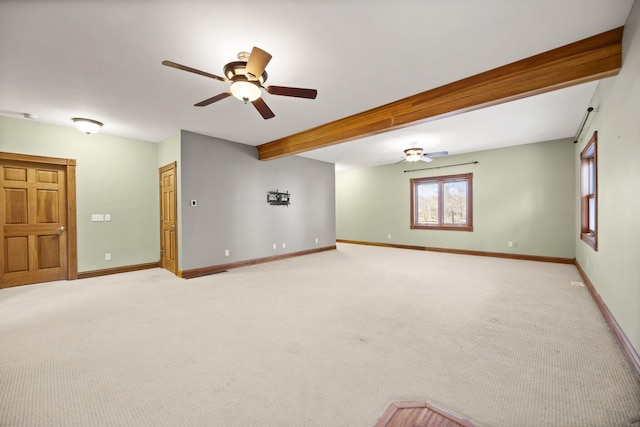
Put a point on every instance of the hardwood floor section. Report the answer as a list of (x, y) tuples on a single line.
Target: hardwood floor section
[(419, 414)]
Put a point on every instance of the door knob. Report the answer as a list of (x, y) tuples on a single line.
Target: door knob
[(61, 229)]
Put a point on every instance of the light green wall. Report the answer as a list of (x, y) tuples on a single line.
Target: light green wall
[(614, 268), (119, 176), (115, 175), (529, 194), (169, 149), (523, 194)]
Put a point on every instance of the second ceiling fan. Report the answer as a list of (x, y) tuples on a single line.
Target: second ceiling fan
[(416, 154), (247, 76)]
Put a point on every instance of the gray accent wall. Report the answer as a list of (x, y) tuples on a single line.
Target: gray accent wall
[(614, 268), (119, 176), (230, 187), (523, 194)]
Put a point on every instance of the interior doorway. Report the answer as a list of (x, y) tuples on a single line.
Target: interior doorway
[(37, 219), (168, 218)]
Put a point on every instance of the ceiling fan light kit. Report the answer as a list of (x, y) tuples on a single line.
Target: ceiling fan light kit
[(87, 126), (245, 91), (413, 154), (247, 76)]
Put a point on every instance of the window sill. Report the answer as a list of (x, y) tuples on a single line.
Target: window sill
[(443, 227), (590, 240)]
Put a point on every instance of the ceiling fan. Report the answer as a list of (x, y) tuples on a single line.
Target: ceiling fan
[(415, 154), (247, 76)]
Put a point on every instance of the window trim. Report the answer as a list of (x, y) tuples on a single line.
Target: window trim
[(441, 180), (590, 151)]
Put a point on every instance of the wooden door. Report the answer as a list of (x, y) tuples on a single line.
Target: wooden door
[(168, 209), (33, 221)]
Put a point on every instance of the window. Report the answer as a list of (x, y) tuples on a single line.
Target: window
[(588, 193), (442, 203)]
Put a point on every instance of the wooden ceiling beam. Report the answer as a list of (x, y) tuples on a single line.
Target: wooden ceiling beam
[(586, 60)]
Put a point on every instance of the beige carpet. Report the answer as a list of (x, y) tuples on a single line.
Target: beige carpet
[(330, 339)]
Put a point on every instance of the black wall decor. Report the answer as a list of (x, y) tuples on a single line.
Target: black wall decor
[(278, 198)]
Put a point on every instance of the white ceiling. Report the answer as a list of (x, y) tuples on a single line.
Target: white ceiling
[(102, 60)]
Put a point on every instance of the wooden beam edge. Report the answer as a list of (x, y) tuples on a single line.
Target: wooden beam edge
[(555, 69)]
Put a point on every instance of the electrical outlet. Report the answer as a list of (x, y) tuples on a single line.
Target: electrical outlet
[(510, 244), (226, 252), (107, 217), (274, 246), (316, 240), (284, 245), (389, 236), (107, 257)]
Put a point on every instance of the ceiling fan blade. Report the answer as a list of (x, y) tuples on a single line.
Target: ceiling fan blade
[(212, 99), (263, 108), (426, 159), (292, 91), (437, 153), (192, 70), (258, 61)]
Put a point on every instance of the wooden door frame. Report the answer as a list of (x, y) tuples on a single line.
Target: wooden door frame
[(72, 230), (173, 165)]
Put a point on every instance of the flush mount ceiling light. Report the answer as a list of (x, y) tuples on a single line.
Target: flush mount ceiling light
[(87, 126)]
